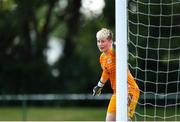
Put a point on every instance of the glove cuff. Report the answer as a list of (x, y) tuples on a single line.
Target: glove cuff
[(100, 84)]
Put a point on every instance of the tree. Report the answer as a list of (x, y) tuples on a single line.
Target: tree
[(27, 26)]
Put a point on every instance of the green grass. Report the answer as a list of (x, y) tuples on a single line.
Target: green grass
[(52, 114), (162, 114), (79, 114)]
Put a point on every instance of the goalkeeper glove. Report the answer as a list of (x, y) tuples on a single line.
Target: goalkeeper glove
[(97, 89), (129, 99)]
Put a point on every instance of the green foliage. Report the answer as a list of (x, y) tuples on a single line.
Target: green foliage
[(25, 29)]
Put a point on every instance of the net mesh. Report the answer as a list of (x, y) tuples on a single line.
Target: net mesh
[(154, 57)]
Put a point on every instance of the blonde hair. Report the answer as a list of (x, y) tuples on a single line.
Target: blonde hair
[(104, 33)]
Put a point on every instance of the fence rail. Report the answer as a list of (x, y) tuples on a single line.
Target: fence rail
[(41, 97), (51, 97)]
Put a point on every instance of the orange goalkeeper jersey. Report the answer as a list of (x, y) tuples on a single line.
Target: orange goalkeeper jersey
[(108, 65)]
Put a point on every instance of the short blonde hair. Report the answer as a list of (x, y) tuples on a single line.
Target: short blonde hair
[(104, 33)]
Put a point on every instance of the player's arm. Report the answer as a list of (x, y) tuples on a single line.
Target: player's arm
[(97, 89), (133, 94), (131, 82), (132, 87)]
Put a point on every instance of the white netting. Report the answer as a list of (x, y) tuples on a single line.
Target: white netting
[(154, 57)]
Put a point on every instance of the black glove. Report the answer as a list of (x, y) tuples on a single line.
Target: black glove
[(129, 99), (97, 90)]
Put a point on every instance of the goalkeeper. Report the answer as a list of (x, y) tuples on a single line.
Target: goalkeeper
[(108, 65)]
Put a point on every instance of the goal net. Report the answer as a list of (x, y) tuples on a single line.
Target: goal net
[(154, 57)]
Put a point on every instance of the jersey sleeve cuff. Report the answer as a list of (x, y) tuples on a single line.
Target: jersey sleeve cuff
[(100, 84)]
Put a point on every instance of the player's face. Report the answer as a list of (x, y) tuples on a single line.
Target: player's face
[(104, 45)]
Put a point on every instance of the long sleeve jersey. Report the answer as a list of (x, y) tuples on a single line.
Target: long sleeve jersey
[(108, 65)]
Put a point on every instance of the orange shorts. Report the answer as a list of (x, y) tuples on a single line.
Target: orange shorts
[(112, 104), (132, 105)]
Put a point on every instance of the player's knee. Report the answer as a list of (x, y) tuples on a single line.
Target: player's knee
[(110, 117)]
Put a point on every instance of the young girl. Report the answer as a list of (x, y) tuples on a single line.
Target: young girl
[(108, 65)]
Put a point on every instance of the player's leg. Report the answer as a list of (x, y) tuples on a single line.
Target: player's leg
[(111, 111), (110, 117)]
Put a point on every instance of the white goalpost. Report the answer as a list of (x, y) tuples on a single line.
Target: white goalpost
[(121, 60), (148, 43)]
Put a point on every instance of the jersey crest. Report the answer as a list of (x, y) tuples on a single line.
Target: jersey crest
[(109, 61)]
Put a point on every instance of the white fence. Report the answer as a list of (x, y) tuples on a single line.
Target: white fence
[(50, 97)]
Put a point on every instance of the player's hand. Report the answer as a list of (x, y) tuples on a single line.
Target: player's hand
[(97, 90), (129, 99)]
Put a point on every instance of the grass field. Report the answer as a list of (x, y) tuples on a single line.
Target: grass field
[(158, 114), (52, 114), (76, 114)]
